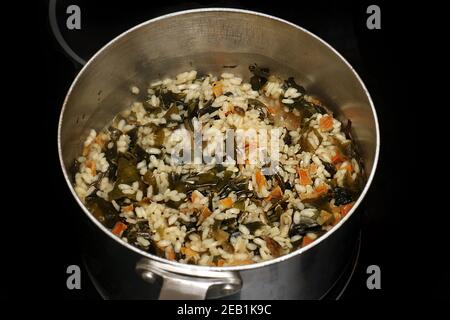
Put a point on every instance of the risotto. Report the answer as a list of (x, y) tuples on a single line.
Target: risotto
[(212, 170)]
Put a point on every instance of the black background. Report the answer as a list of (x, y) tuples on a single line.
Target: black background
[(396, 231)]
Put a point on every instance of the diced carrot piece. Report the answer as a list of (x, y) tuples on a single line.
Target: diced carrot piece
[(326, 123), (335, 209), (227, 202), (144, 201), (318, 191), (220, 263), (306, 240), (347, 167), (325, 218), (220, 235), (86, 150), (312, 169), (119, 228), (217, 88), (274, 106), (321, 189), (337, 218), (276, 193), (240, 262), (128, 208), (260, 179), (304, 177), (170, 253), (91, 165), (338, 157), (196, 195), (203, 215), (98, 140), (188, 252), (346, 208), (230, 111), (271, 110)]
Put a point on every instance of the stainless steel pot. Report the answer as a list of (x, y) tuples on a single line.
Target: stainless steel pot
[(207, 40)]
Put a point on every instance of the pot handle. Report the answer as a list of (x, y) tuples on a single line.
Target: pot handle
[(180, 283)]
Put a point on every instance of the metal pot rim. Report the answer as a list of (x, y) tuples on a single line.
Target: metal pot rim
[(198, 268)]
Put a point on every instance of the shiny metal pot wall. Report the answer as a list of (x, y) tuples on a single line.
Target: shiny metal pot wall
[(207, 40)]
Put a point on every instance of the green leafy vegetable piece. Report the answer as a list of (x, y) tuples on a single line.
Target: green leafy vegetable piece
[(127, 173), (173, 110), (150, 180), (102, 210), (290, 82), (253, 226), (259, 77)]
